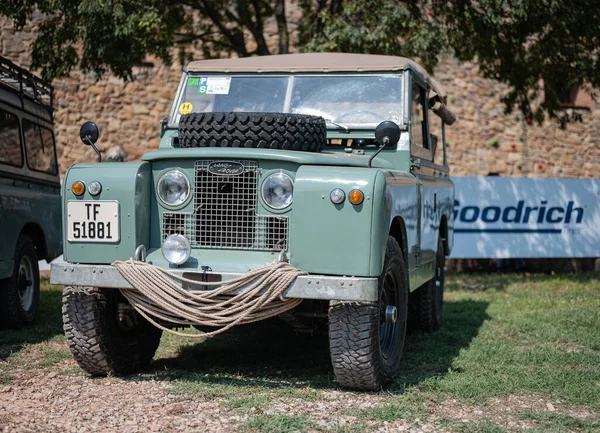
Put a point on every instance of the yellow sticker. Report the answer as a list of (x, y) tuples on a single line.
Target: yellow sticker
[(186, 108)]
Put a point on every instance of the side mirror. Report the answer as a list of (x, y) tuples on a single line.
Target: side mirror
[(163, 126), (387, 134), (89, 134)]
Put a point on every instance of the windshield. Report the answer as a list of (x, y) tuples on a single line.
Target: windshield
[(345, 101)]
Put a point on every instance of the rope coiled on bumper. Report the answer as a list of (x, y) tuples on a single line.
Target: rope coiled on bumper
[(157, 296)]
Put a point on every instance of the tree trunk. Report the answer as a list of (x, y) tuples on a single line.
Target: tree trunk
[(284, 39)]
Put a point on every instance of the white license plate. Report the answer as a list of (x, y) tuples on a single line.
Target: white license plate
[(93, 221)]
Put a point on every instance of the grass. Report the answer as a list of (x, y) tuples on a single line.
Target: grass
[(48, 324), (277, 424), (561, 422), (504, 336)]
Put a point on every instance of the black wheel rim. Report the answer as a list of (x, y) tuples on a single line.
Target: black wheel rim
[(26, 283), (126, 318), (388, 332)]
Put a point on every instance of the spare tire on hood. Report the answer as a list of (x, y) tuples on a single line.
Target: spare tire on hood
[(264, 130)]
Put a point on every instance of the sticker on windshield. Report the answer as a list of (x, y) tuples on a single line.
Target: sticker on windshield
[(186, 108), (214, 85), (193, 81)]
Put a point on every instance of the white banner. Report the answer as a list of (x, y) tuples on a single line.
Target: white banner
[(503, 217)]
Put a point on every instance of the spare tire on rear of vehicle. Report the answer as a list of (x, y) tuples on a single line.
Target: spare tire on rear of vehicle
[(264, 130)]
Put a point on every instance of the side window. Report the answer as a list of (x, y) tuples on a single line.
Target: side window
[(10, 140), (419, 134), (39, 147)]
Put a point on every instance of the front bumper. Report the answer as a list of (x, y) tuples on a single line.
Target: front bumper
[(304, 287)]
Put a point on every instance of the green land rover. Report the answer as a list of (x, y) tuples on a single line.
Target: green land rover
[(333, 165), (30, 209)]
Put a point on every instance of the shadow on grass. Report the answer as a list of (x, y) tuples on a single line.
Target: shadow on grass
[(426, 356), (47, 325), (269, 354)]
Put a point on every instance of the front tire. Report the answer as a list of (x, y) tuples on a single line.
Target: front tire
[(20, 294), (365, 349), (105, 334)]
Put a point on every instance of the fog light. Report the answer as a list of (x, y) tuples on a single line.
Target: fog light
[(95, 188), (176, 249), (356, 197), (78, 188), (337, 196)]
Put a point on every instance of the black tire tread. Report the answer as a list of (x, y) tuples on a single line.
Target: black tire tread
[(354, 340), (253, 130), (421, 305), (88, 336)]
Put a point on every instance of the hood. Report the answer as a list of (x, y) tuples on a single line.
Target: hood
[(297, 157)]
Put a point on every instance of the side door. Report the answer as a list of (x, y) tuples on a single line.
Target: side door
[(43, 193), (423, 168), (11, 165)]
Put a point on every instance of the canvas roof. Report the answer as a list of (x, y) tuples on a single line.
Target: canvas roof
[(316, 62)]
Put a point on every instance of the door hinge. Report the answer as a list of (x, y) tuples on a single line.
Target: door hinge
[(415, 163)]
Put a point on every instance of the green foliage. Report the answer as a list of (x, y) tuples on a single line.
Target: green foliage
[(373, 27), (533, 46), (97, 36)]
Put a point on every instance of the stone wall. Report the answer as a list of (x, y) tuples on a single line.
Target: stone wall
[(483, 141)]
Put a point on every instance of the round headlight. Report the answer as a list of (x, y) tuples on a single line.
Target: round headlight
[(173, 188), (278, 190), (176, 249)]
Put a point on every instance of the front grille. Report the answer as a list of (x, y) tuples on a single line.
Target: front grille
[(225, 213)]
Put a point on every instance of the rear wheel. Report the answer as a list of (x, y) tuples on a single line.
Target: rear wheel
[(105, 334), (426, 302), (366, 344), (20, 294)]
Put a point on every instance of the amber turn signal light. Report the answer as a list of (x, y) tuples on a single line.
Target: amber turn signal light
[(356, 197), (78, 187)]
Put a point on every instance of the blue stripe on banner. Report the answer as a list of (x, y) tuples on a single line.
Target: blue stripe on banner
[(507, 230)]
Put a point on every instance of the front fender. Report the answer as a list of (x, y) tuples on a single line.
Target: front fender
[(332, 239), (129, 183)]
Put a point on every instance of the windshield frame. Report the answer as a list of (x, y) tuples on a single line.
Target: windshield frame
[(402, 75)]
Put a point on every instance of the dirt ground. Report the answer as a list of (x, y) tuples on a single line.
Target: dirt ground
[(502, 362)]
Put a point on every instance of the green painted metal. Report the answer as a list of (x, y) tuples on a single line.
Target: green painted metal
[(324, 238), (29, 207), (29, 199), (131, 185), (6, 268), (297, 157), (332, 238)]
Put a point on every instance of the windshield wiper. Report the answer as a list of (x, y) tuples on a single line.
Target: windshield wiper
[(339, 125)]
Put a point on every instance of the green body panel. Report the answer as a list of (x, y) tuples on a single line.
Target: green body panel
[(329, 238), (27, 205), (29, 199), (326, 157), (6, 268), (324, 238), (128, 183)]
